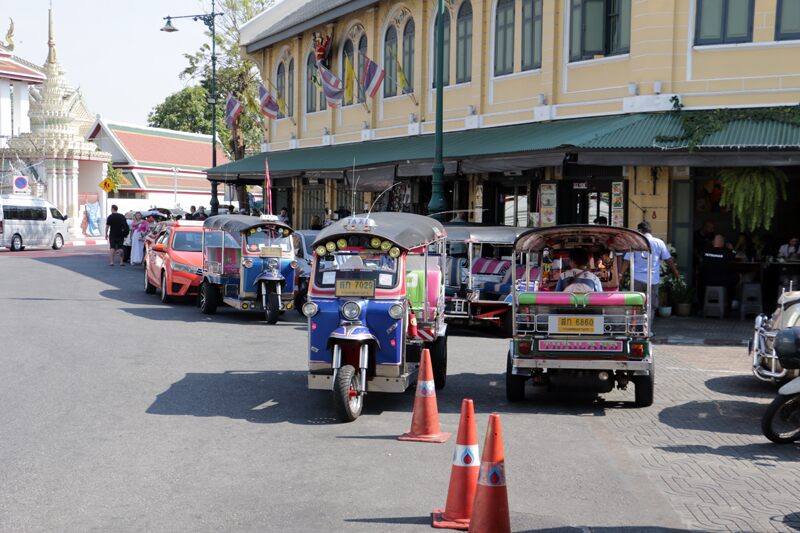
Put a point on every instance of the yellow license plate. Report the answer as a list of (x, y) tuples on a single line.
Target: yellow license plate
[(355, 287), (270, 251), (576, 324)]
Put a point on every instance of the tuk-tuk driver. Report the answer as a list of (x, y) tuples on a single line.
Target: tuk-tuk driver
[(579, 278)]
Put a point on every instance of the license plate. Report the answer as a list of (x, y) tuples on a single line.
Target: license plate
[(575, 324), (355, 287), (270, 251)]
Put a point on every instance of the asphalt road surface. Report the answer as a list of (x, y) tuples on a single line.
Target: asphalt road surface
[(120, 413)]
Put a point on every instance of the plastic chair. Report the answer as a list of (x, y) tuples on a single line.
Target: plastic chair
[(715, 301), (751, 300)]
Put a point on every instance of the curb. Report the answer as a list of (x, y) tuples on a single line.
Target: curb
[(699, 341), (87, 242)]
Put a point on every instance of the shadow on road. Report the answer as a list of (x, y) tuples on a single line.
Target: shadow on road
[(760, 454), (792, 520), (719, 416), (742, 385)]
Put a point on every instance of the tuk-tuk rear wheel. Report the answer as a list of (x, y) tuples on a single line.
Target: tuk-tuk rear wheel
[(438, 349), (643, 387), (515, 385), (347, 401), (208, 298)]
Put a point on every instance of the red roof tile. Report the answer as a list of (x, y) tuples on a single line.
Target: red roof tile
[(164, 148), (11, 70)]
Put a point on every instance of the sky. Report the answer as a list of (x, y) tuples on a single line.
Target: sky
[(111, 49)]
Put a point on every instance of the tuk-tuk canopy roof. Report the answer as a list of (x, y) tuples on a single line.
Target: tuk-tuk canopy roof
[(240, 223), (483, 234), (578, 235), (406, 230)]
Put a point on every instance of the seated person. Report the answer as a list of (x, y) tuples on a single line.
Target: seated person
[(789, 249), (579, 278)]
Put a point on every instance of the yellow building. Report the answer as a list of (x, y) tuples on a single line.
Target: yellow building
[(556, 111)]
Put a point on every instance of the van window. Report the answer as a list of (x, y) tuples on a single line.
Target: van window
[(56, 214), (17, 212)]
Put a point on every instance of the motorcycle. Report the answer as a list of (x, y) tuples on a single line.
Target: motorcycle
[(781, 421), (765, 363)]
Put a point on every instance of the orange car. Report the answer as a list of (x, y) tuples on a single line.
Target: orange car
[(173, 264)]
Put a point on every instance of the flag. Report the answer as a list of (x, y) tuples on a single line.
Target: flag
[(233, 108), (269, 105), (371, 77), (267, 189), (331, 86), (401, 77), (349, 79), (282, 105)]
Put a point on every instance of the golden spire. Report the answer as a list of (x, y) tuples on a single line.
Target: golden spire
[(51, 42)]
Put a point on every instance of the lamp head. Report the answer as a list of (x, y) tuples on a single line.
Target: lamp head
[(168, 27)]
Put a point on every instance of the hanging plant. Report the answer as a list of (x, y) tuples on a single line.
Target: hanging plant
[(751, 194)]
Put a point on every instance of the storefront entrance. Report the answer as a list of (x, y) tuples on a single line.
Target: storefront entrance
[(589, 192)]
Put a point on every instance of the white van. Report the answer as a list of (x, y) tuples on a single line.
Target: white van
[(27, 221)]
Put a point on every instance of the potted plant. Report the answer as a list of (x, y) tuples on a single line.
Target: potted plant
[(682, 296), (664, 305)]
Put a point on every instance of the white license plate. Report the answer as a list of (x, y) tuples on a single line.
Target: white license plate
[(575, 324)]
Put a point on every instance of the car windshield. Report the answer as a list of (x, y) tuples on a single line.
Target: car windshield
[(267, 238), (187, 241), (349, 265)]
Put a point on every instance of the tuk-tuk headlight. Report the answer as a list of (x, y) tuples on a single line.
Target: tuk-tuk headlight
[(397, 311), (331, 246), (310, 309), (247, 263), (394, 252), (293, 264), (351, 310), (375, 242), (341, 244), (272, 264), (385, 245), (321, 250)]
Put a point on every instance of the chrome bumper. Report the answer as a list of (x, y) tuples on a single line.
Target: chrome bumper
[(569, 364)]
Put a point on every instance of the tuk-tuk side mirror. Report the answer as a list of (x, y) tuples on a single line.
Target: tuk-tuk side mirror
[(787, 343)]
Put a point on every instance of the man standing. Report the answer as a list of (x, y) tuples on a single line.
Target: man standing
[(192, 212), (658, 253), (200, 214), (116, 231)]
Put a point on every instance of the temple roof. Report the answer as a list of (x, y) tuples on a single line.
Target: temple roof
[(17, 69)]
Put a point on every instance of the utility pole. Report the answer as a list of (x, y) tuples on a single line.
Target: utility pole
[(438, 202)]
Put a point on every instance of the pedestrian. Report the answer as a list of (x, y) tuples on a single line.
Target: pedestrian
[(200, 214), (116, 231), (284, 216), (192, 211), (85, 222), (315, 223), (601, 221), (139, 229), (328, 217), (658, 253)]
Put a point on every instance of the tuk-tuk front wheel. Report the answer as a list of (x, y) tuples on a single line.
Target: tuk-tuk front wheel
[(643, 387), (347, 401), (209, 298), (515, 385), (273, 310), (438, 349)]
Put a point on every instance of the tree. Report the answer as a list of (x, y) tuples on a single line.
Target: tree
[(188, 110)]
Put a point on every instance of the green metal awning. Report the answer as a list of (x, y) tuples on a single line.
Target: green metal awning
[(618, 139)]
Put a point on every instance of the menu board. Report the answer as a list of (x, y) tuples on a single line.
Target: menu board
[(547, 195)]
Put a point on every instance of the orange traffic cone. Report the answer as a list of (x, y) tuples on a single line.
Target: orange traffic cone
[(425, 420), (490, 510), (463, 475)]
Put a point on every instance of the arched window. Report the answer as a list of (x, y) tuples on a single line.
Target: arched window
[(464, 43), (504, 38), (531, 34), (362, 54), (446, 73), (408, 56), (280, 85), (290, 95), (390, 62), (311, 87), (347, 53)]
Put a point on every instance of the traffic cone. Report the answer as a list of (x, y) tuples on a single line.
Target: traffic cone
[(463, 475), (490, 509), (425, 420)]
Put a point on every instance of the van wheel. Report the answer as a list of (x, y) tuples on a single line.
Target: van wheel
[(16, 243), (515, 385), (209, 297), (164, 293), (149, 288), (58, 242)]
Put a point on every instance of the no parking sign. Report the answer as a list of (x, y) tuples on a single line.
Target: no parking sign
[(21, 185)]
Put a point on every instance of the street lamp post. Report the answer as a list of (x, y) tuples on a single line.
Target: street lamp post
[(438, 202), (209, 19)]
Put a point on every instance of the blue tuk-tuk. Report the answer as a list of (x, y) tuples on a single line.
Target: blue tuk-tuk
[(248, 264), (375, 300)]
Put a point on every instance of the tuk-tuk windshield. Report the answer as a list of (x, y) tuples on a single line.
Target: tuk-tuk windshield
[(213, 239), (267, 238), (357, 265)]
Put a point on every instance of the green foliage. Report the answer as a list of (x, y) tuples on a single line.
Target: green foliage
[(751, 194), (188, 110), (115, 175), (699, 125), (680, 292)]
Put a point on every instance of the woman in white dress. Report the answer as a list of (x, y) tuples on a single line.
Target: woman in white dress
[(138, 231)]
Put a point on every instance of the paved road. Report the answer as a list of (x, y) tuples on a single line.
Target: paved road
[(120, 413)]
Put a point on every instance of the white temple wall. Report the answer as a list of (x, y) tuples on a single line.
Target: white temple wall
[(21, 106), (5, 112)]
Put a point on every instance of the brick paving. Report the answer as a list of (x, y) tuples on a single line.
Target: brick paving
[(701, 444)]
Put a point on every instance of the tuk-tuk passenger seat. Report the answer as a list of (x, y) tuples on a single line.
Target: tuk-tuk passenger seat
[(415, 285), (590, 299)]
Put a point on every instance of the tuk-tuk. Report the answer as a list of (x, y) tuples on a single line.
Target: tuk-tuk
[(248, 264), (765, 362), (478, 275), (567, 332), (375, 300)]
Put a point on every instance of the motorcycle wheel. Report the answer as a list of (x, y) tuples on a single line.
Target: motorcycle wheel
[(347, 401), (273, 310), (781, 421)]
